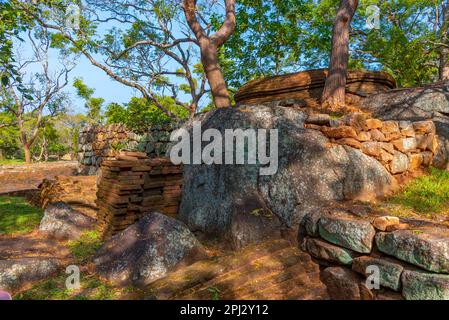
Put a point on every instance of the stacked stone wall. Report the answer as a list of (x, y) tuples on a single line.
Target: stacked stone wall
[(400, 146), (104, 143), (409, 258)]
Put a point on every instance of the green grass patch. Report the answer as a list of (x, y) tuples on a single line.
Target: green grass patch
[(7, 162), (91, 288), (85, 247), (426, 195), (17, 216)]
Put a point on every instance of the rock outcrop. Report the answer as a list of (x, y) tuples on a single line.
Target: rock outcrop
[(414, 104), (147, 251), (311, 172), (62, 222)]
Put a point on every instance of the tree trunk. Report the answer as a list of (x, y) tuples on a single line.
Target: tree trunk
[(26, 149), (444, 51), (209, 59), (334, 89)]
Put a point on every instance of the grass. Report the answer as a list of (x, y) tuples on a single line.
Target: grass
[(17, 216), (85, 247), (91, 288), (11, 161), (427, 195)]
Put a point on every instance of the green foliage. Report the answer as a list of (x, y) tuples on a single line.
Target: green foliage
[(85, 247), (93, 105), (17, 216), (138, 115), (427, 195)]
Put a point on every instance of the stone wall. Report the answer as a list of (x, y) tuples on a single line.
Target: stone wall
[(411, 257), (134, 185), (79, 192), (400, 146), (100, 143)]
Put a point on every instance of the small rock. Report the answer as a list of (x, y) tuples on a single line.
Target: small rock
[(364, 136), (343, 284), (340, 132), (423, 127), (376, 135), (381, 223), (350, 142), (328, 252), (416, 159), (400, 163), (318, 119), (348, 232), (390, 127), (389, 272), (405, 144), (372, 148), (373, 124), (417, 285)]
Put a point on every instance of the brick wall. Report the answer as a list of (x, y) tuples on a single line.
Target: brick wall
[(134, 185)]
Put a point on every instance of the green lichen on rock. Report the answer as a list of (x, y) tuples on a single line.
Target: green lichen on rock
[(428, 250), (389, 272), (348, 232), (425, 286), (325, 251)]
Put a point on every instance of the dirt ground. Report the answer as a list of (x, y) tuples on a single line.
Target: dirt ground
[(19, 178)]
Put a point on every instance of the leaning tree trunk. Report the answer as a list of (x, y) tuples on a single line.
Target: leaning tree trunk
[(334, 89), (209, 48), (209, 59), (444, 50)]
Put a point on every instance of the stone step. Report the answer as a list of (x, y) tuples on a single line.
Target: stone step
[(271, 270)]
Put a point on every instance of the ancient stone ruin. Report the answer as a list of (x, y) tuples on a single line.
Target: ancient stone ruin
[(102, 143), (306, 87)]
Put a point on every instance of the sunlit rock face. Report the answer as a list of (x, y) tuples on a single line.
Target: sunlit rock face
[(431, 102), (236, 203)]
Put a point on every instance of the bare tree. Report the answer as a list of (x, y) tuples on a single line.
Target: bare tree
[(151, 51), (43, 97), (209, 48), (335, 86)]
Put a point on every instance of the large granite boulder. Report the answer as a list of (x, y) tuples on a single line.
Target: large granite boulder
[(147, 251), (430, 102), (16, 274), (62, 222), (311, 172)]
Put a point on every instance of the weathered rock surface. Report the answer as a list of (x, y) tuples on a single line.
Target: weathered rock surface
[(344, 284), (430, 102), (425, 286), (62, 222), (428, 249), (271, 270), (16, 274), (389, 272), (328, 252), (147, 251), (348, 232), (310, 173)]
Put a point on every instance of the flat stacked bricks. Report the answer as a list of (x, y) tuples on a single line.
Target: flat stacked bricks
[(134, 185)]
